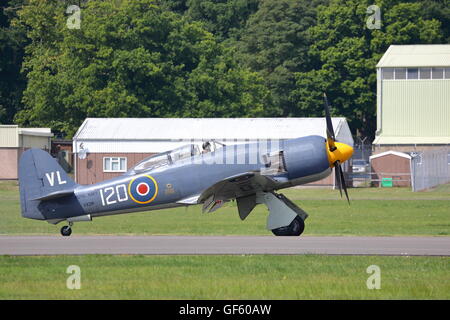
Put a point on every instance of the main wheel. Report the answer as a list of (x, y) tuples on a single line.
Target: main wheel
[(294, 229), (66, 231)]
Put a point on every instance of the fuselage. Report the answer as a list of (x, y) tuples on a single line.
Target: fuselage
[(288, 162)]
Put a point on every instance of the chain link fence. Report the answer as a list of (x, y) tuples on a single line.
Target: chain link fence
[(360, 175), (430, 169)]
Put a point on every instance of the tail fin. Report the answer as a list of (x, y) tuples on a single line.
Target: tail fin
[(41, 178)]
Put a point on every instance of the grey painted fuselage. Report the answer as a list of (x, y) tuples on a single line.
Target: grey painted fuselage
[(49, 194)]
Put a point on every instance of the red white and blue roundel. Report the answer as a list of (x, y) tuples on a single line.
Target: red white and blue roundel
[(143, 189)]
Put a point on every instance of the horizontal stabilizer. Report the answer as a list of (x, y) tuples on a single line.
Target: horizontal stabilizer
[(56, 194)]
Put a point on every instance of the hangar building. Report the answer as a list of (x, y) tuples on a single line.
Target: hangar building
[(107, 147), (413, 113), (413, 98), (14, 141)]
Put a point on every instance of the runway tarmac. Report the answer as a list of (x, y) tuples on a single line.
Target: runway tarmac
[(230, 245)]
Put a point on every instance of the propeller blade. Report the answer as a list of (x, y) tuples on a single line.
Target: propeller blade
[(338, 176), (330, 130), (331, 138), (341, 173)]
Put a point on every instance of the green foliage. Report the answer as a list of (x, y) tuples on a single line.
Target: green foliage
[(440, 11), (345, 53), (201, 58), (132, 60), (12, 82), (275, 43), (223, 18)]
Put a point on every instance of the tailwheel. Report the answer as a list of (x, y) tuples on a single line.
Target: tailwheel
[(66, 231), (294, 229)]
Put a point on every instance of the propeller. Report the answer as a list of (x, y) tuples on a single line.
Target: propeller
[(331, 139), (337, 152)]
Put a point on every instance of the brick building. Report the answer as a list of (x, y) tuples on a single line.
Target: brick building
[(107, 147)]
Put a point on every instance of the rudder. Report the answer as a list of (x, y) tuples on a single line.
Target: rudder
[(40, 175)]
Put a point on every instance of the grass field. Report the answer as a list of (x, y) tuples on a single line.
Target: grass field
[(395, 211), (387, 211), (224, 277)]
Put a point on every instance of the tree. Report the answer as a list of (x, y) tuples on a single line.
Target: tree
[(345, 52), (439, 10), (275, 43), (223, 18), (12, 82), (135, 59)]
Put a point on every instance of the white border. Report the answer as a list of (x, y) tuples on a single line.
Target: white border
[(390, 152)]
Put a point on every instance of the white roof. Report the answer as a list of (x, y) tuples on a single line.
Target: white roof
[(43, 132), (390, 152), (417, 55), (160, 134), (202, 128)]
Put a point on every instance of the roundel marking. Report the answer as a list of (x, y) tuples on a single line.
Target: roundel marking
[(143, 189)]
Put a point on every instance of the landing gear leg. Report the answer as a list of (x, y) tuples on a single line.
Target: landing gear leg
[(67, 230), (294, 229), (285, 217)]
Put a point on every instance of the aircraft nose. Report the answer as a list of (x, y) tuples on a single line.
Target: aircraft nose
[(342, 153)]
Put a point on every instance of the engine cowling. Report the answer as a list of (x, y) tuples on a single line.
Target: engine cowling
[(306, 156)]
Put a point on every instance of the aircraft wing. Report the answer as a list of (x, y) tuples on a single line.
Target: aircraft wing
[(238, 187), (189, 200)]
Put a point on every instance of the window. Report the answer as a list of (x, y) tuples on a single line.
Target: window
[(413, 73), (156, 161), (114, 164), (400, 73), (165, 158), (437, 73), (184, 152), (447, 73), (388, 73), (425, 73)]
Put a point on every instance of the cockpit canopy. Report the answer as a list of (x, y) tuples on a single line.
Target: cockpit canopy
[(165, 159)]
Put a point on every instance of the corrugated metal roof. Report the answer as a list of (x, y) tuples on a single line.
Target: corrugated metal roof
[(418, 55), (203, 128)]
